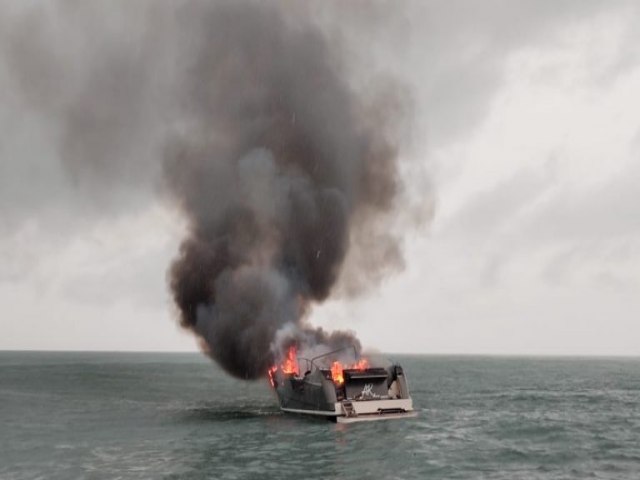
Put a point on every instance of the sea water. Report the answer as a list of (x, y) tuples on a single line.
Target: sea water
[(174, 416)]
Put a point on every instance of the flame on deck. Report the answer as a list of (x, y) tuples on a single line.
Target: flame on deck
[(289, 366), (337, 369)]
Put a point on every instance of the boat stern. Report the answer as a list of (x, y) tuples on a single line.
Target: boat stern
[(344, 394)]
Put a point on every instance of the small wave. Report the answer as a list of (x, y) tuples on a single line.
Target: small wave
[(511, 454)]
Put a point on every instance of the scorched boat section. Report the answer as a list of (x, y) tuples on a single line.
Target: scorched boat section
[(343, 392)]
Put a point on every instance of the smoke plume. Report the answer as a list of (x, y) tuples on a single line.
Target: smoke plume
[(284, 166), (279, 150)]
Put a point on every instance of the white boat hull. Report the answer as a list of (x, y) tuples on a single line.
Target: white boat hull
[(362, 411)]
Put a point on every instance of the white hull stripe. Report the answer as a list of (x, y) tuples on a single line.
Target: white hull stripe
[(324, 413), (372, 417)]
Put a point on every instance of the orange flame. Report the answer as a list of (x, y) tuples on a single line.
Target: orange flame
[(290, 364), (361, 364), (337, 369), (336, 373), (271, 373)]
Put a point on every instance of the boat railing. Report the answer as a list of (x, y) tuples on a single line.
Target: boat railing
[(333, 352)]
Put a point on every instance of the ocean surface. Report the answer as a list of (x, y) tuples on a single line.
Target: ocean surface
[(174, 416)]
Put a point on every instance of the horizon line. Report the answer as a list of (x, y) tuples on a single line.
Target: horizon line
[(433, 354)]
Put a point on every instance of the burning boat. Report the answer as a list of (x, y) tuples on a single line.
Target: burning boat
[(341, 392)]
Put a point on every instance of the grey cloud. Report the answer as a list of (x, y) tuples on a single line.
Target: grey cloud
[(495, 211), (601, 212), (532, 215), (458, 60), (87, 85), (99, 81)]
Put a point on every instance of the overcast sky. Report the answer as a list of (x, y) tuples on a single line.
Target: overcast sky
[(527, 128)]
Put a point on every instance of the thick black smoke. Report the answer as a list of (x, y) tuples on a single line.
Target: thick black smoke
[(277, 147), (283, 165)]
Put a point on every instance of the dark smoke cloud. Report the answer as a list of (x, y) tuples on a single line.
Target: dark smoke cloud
[(92, 82), (279, 151), (283, 165)]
